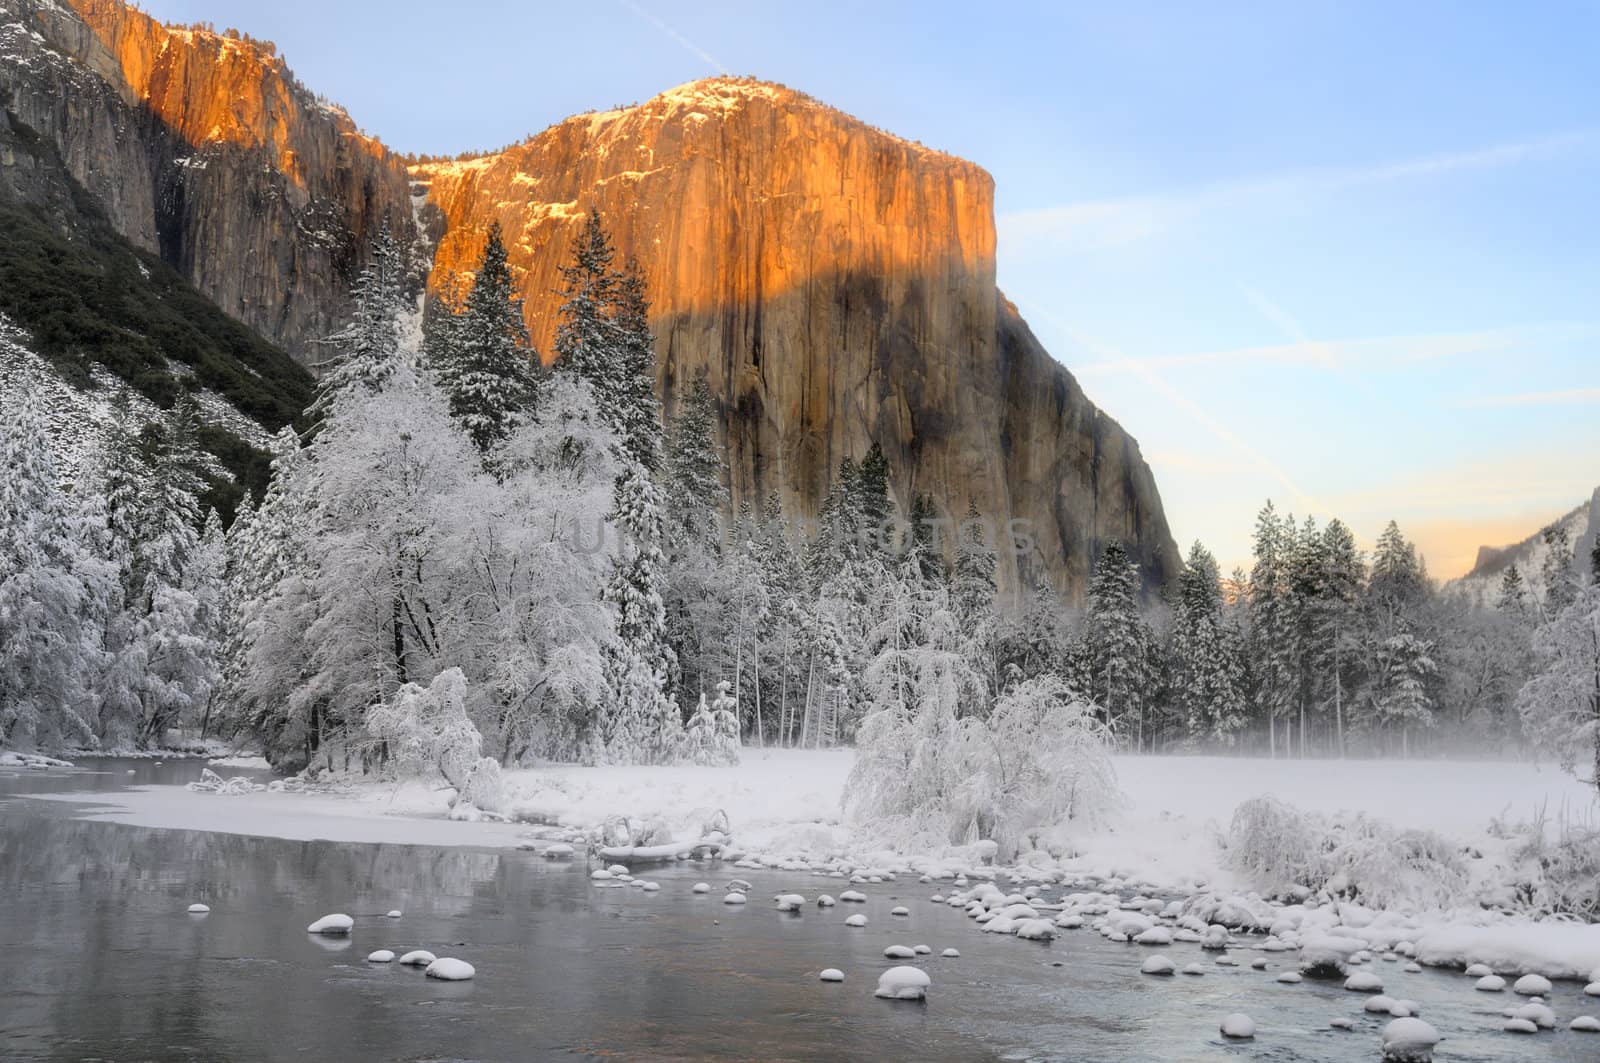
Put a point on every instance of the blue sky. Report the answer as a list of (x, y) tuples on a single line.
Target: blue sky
[(1346, 255)]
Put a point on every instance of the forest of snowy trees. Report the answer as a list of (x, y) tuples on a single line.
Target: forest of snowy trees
[(466, 560)]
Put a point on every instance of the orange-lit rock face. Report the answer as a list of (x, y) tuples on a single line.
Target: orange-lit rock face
[(205, 149), (835, 285)]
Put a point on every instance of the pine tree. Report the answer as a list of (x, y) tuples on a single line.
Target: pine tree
[(47, 649), (692, 477), (1208, 679), (644, 725), (872, 480), (1560, 583), (482, 355), (639, 414), (366, 349), (604, 338), (1338, 628), (1119, 644), (1513, 600), (1271, 621)]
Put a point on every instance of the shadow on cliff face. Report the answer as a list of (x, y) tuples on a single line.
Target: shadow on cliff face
[(965, 402)]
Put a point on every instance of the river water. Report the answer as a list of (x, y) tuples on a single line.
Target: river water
[(99, 960)]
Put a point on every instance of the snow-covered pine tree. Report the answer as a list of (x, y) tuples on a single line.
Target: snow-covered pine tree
[(1400, 688), (604, 337), (1271, 621), (1558, 575), (1119, 644), (1513, 599), (1208, 677), (700, 593), (1560, 703), (49, 649), (638, 411), (643, 724), (179, 637), (365, 350), (725, 725), (481, 355), (693, 493), (1338, 626), (972, 593)]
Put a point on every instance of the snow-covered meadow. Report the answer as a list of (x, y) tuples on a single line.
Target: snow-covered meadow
[(783, 810)]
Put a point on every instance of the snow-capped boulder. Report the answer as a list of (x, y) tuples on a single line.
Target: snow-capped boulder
[(734, 897), (1291, 978), (1479, 970), (1035, 930), (1519, 1026), (856, 920), (789, 902), (1364, 982), (1214, 938), (1592, 989), (1490, 983), (650, 887), (832, 974), (701, 887), (1194, 969), (900, 910), (999, 925), (1538, 1014), (1156, 935), (824, 901), (950, 954), (922, 950), (1327, 955), (199, 909), (1238, 1026), (853, 896), (332, 925), (1069, 921), (450, 969), (1378, 1005), (558, 851), (903, 983), (1157, 964), (417, 958), (1259, 963), (381, 956), (1585, 1024), (392, 913), (1531, 985), (618, 870), (601, 874), (1409, 1041), (1339, 1022)]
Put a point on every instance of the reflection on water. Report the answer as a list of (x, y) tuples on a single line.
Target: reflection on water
[(102, 961)]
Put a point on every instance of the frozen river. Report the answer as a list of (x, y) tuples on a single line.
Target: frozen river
[(103, 962)]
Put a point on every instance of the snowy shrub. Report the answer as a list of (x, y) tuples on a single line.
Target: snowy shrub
[(485, 786), (1041, 759), (1282, 850), (426, 729), (1274, 846), (712, 735), (1562, 877)]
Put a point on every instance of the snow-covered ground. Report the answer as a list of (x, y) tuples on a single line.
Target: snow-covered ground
[(785, 803), (783, 807)]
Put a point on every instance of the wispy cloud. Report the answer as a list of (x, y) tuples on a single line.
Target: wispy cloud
[(1358, 352), (677, 38), (1159, 384), (1101, 224), (1567, 397)]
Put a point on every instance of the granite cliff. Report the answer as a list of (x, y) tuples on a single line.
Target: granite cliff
[(834, 284)]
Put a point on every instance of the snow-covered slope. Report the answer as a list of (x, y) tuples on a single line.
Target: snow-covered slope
[(1481, 586)]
